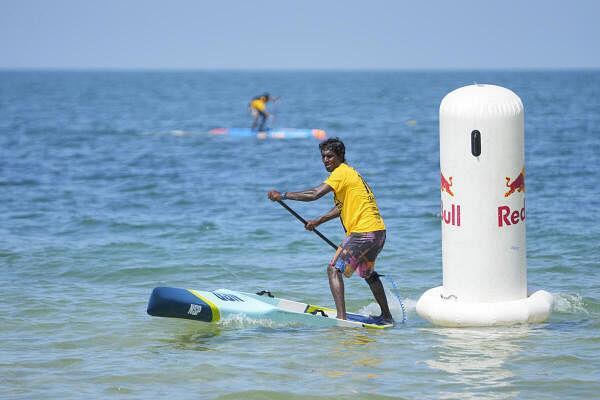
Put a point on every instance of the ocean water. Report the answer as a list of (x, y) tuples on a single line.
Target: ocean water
[(110, 186)]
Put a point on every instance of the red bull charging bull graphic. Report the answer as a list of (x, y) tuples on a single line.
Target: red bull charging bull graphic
[(445, 184), (517, 184), (450, 216), (506, 215)]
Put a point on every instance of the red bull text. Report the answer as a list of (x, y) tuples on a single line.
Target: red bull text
[(451, 216), (508, 216)]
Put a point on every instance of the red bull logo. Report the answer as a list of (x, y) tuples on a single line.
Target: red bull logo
[(517, 185), (450, 215), (506, 215), (446, 184)]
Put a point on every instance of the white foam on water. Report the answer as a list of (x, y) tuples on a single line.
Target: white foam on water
[(243, 321)]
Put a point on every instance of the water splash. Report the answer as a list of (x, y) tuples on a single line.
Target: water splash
[(574, 304)]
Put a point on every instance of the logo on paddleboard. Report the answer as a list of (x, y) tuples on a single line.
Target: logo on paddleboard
[(195, 309), (227, 296)]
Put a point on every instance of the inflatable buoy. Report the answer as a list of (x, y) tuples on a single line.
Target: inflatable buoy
[(483, 213)]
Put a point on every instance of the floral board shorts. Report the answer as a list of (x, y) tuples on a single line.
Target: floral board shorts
[(358, 253)]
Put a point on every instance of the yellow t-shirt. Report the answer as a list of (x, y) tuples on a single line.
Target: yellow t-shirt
[(355, 200), (258, 104)]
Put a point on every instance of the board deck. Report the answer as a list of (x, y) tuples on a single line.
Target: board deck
[(223, 304)]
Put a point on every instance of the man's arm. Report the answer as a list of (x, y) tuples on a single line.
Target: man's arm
[(313, 223), (305, 195)]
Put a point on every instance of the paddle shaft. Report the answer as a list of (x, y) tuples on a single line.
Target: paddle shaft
[(299, 217)]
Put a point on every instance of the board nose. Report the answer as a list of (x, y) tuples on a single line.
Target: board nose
[(178, 303)]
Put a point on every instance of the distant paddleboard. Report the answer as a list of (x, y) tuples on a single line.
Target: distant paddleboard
[(280, 133), (224, 304)]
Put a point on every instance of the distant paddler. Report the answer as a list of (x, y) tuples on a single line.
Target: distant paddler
[(258, 109), (354, 203)]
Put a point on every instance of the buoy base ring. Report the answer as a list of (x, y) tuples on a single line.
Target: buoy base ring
[(452, 312)]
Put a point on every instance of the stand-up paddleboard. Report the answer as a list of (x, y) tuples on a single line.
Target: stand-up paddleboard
[(224, 304), (279, 133)]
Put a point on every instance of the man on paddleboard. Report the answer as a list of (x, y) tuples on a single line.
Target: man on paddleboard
[(365, 230), (258, 109)]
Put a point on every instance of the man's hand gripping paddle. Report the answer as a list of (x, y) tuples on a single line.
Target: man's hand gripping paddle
[(295, 214)]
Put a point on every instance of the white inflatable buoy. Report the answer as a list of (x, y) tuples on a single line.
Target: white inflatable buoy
[(482, 165)]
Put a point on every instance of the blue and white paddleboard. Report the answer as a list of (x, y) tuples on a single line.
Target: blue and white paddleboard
[(224, 304), (279, 133)]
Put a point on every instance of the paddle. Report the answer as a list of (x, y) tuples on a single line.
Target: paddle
[(295, 214)]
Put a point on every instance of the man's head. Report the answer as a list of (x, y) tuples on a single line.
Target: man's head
[(333, 153), (265, 96)]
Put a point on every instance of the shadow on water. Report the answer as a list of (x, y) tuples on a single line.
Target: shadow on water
[(476, 360), (196, 337), (203, 336)]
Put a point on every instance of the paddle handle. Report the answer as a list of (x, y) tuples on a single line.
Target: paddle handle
[(299, 217)]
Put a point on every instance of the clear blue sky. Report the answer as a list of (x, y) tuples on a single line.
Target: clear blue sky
[(299, 34)]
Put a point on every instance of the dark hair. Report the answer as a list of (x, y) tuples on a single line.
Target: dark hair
[(336, 146)]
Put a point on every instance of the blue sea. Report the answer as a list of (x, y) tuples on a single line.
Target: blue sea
[(111, 186)]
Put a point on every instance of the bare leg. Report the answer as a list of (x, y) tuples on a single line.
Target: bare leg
[(379, 294), (336, 284)]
